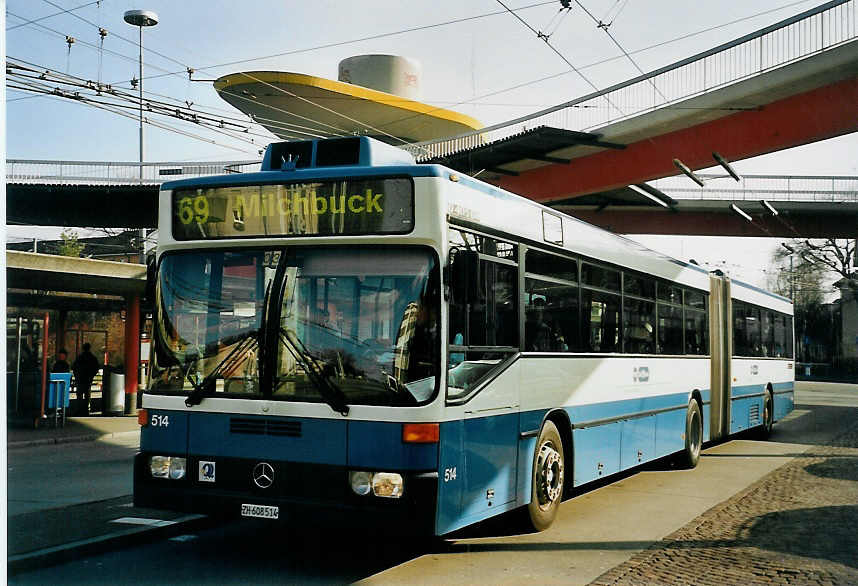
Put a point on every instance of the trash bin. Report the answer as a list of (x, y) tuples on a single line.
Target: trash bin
[(113, 393), (57, 396), (58, 391)]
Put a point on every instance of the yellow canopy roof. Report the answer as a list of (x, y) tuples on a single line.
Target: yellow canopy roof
[(294, 105)]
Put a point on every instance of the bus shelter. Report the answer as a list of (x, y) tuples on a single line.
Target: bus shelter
[(65, 302)]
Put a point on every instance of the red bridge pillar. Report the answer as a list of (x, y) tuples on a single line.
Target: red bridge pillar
[(132, 351)]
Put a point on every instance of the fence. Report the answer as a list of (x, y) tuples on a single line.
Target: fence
[(804, 188), (95, 172)]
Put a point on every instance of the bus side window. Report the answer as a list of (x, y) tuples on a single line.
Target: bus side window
[(670, 329), (780, 334), (767, 323), (551, 316), (601, 313), (790, 334), (740, 334)]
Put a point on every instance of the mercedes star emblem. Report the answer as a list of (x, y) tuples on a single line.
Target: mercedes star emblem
[(263, 475)]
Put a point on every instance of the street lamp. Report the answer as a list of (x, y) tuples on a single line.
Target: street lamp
[(141, 18)]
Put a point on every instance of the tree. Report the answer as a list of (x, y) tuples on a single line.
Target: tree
[(832, 256), (808, 268), (70, 245)]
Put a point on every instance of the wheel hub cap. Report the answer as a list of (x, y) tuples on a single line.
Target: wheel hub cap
[(549, 475)]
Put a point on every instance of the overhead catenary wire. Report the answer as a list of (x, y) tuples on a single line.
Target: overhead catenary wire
[(120, 37), (166, 127), (61, 12), (556, 51), (35, 85), (501, 12), (91, 45), (150, 105), (363, 39), (365, 125), (605, 27), (209, 124), (609, 59), (114, 90)]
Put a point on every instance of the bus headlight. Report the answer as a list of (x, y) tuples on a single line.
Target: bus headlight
[(159, 466), (387, 484), (361, 482), (167, 467), (177, 468)]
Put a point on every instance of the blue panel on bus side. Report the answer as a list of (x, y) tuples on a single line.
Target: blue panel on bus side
[(784, 401), (740, 413), (581, 414), (637, 444), (595, 446), (670, 432), (744, 390), (321, 441), (169, 436), (451, 479), (491, 459), (377, 445)]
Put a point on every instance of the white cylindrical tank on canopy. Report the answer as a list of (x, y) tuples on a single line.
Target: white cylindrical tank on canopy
[(393, 74)]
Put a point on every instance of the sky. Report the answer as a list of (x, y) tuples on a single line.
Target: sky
[(461, 62)]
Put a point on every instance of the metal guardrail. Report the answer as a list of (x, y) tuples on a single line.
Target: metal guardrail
[(813, 31), (803, 188), (117, 173)]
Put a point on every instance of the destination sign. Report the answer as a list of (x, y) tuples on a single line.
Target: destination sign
[(349, 207)]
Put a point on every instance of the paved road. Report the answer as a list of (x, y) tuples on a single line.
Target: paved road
[(596, 531), (46, 477)]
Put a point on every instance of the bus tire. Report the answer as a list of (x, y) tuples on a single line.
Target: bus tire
[(546, 478), (693, 436), (765, 430)]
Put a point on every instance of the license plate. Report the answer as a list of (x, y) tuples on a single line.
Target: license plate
[(261, 511)]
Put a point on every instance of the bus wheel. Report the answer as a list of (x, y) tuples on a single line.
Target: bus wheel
[(547, 479), (765, 430), (693, 436)]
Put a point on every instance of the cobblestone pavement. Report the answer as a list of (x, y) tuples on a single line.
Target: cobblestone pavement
[(797, 525)]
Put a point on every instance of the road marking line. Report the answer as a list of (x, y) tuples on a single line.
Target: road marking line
[(183, 538), (143, 521)]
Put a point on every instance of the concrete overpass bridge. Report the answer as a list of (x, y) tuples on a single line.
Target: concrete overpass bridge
[(785, 206), (96, 194)]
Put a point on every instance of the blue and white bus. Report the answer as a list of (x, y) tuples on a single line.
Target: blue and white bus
[(349, 337)]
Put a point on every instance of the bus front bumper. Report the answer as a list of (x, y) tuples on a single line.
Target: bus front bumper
[(325, 500)]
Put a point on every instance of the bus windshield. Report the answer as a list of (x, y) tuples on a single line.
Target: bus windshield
[(363, 321)]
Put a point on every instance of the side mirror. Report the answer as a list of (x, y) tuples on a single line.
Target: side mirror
[(465, 276), (151, 279)]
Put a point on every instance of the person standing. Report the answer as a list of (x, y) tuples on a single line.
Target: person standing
[(85, 368), (61, 364)]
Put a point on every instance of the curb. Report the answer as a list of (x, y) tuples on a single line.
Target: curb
[(51, 556), (72, 439)]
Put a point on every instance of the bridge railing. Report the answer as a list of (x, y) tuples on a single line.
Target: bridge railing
[(124, 173), (802, 188), (819, 29)]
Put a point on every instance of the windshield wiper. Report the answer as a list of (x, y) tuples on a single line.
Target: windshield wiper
[(330, 392), (206, 386)]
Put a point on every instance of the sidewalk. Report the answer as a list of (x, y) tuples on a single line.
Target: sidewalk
[(52, 536), (794, 526), (21, 434)]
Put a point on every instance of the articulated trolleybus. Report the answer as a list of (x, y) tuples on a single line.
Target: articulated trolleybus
[(348, 336)]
